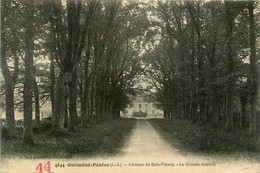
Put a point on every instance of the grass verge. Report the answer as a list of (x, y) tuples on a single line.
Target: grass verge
[(105, 139), (203, 139)]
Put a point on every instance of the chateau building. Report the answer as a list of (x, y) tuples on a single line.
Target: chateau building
[(141, 107)]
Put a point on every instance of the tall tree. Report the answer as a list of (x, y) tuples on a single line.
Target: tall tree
[(230, 64), (10, 81), (70, 29), (10, 50), (253, 78), (196, 21), (29, 73)]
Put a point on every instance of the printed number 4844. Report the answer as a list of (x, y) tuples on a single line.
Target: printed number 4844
[(47, 167)]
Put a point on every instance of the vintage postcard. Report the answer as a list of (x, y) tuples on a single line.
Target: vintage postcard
[(130, 86)]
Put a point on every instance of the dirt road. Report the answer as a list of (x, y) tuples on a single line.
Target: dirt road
[(146, 142)]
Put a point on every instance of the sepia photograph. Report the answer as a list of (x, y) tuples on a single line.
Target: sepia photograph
[(130, 86)]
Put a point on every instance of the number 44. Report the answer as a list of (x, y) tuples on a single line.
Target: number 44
[(47, 167)]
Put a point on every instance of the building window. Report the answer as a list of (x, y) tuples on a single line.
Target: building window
[(153, 111), (146, 106), (140, 105), (145, 111)]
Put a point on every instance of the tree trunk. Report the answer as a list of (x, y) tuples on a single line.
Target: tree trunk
[(66, 116), (72, 100), (91, 106), (230, 67), (97, 100), (59, 103), (110, 108), (52, 79), (98, 108), (9, 100), (253, 72), (76, 118), (9, 91), (29, 76), (200, 59), (91, 109), (83, 110), (215, 103), (102, 108), (214, 85), (85, 97), (36, 102), (85, 115), (243, 104)]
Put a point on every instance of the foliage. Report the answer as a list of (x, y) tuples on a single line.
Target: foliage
[(203, 138), (105, 139), (45, 125), (197, 61), (4, 133), (139, 114)]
